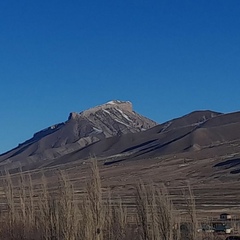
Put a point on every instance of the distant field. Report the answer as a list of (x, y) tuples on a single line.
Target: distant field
[(28, 196)]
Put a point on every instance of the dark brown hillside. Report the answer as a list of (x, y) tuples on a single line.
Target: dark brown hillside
[(155, 142), (223, 119), (192, 119)]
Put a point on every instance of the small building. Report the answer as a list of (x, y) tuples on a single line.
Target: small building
[(225, 216)]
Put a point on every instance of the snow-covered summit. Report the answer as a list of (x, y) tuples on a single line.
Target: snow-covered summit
[(118, 102)]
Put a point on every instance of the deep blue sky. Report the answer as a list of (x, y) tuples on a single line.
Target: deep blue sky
[(167, 57)]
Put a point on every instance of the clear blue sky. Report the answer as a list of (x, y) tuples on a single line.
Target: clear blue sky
[(167, 57)]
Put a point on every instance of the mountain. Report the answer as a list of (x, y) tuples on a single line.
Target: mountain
[(114, 133), (201, 148), (175, 136), (115, 118)]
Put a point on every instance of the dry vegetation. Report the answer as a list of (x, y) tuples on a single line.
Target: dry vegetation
[(59, 215)]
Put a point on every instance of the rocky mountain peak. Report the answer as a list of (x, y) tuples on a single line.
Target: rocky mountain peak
[(116, 104), (124, 105)]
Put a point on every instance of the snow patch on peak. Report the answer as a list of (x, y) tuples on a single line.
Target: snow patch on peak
[(97, 130), (123, 114), (117, 102), (127, 125), (106, 111), (111, 102)]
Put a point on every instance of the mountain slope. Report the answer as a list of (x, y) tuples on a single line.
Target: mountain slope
[(114, 132), (214, 131), (114, 118)]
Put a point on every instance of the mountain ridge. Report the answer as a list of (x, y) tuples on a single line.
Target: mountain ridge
[(115, 132)]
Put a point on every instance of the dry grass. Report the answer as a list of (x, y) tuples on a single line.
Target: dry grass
[(57, 214)]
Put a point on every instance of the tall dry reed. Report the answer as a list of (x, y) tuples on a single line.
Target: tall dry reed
[(155, 214), (38, 212)]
